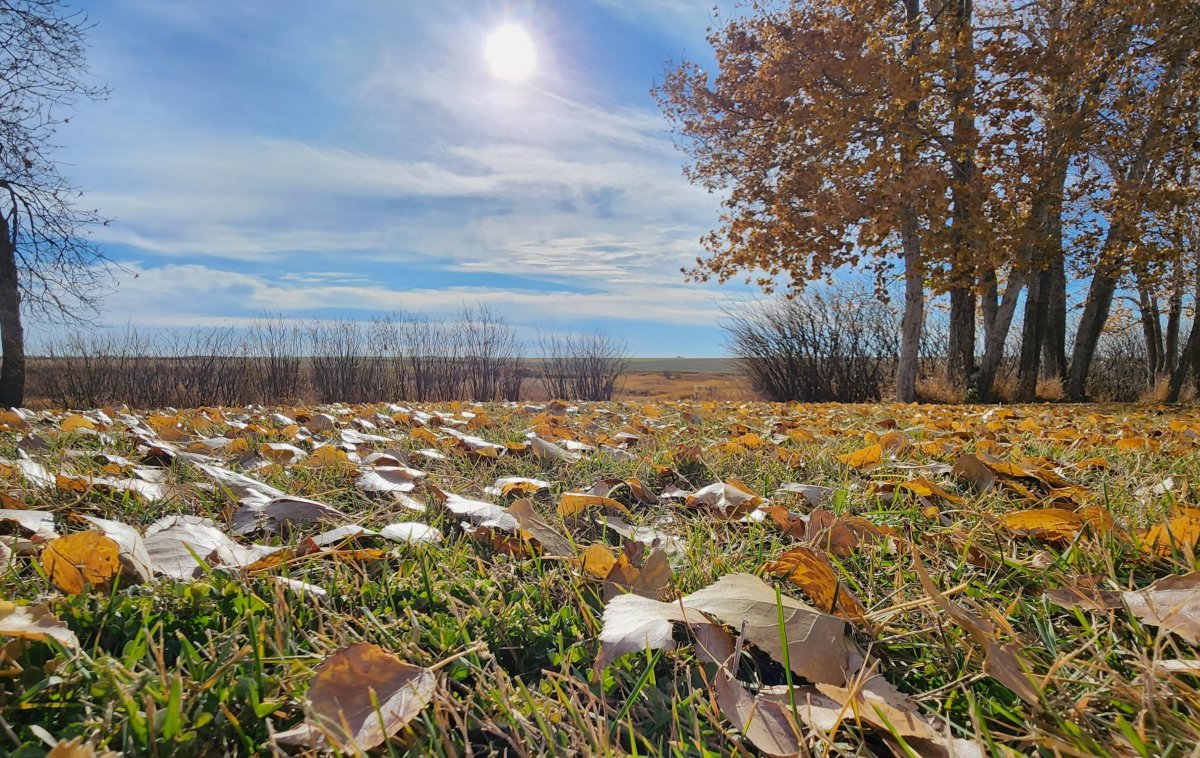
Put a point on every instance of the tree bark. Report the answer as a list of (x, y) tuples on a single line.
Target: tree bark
[(914, 309), (1148, 315), (12, 334), (910, 240), (982, 381), (1189, 359), (1174, 316), (1033, 332), (960, 361), (1054, 343)]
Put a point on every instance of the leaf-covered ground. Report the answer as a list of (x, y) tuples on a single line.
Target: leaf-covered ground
[(669, 579)]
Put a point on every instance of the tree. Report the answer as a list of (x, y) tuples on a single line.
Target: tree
[(1147, 119), (817, 127), (47, 264)]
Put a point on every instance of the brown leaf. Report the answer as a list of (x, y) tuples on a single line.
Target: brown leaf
[(81, 561), (1049, 524), (817, 645), (359, 697), (574, 503), (811, 571), (551, 541), (650, 577)]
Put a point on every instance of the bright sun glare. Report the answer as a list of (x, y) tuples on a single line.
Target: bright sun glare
[(510, 53)]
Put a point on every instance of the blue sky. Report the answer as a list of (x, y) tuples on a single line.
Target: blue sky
[(339, 159)]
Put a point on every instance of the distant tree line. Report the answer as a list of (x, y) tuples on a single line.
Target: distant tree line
[(1010, 158), (474, 355)]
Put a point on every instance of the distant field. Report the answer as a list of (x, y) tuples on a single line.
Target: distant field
[(684, 365)]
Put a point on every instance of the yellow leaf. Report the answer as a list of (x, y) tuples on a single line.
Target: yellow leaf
[(869, 456), (574, 503), (81, 560), (75, 421), (597, 560), (810, 571), (1049, 524), (327, 456)]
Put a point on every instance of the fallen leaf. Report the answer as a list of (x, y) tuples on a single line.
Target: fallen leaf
[(547, 537), (81, 561), (865, 458), (574, 503), (359, 697), (811, 572), (1002, 663), (649, 576), (35, 622), (1049, 524), (817, 645), (135, 561)]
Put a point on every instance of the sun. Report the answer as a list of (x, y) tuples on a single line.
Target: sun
[(510, 53)]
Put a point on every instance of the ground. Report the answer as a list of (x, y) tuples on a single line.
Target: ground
[(956, 579)]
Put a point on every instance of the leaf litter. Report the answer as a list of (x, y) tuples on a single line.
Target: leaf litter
[(605, 508)]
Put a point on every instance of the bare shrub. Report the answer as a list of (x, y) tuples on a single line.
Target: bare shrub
[(581, 366), (819, 346), (1120, 371), (275, 346), (491, 355)]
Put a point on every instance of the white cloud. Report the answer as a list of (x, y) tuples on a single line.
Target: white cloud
[(194, 295)]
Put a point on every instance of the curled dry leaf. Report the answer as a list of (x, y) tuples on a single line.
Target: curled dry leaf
[(1171, 603), (35, 622), (519, 485), (551, 541), (730, 499), (1049, 524), (649, 576), (389, 479), (81, 561), (817, 646), (864, 459), (633, 623), (765, 722), (39, 524), (574, 503), (812, 572), (597, 560), (411, 532), (274, 514), (359, 697), (174, 543)]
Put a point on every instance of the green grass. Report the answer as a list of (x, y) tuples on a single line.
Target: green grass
[(217, 665)]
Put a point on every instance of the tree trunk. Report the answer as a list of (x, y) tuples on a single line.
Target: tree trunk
[(1054, 343), (910, 240), (982, 381), (1033, 332), (960, 361), (12, 335), (961, 357), (1174, 316), (1091, 324), (1189, 360), (1148, 315), (914, 310)]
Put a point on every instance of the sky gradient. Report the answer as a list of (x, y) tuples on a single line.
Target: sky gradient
[(342, 159)]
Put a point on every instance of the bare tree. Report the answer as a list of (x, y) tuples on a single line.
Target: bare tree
[(47, 263), (581, 366)]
